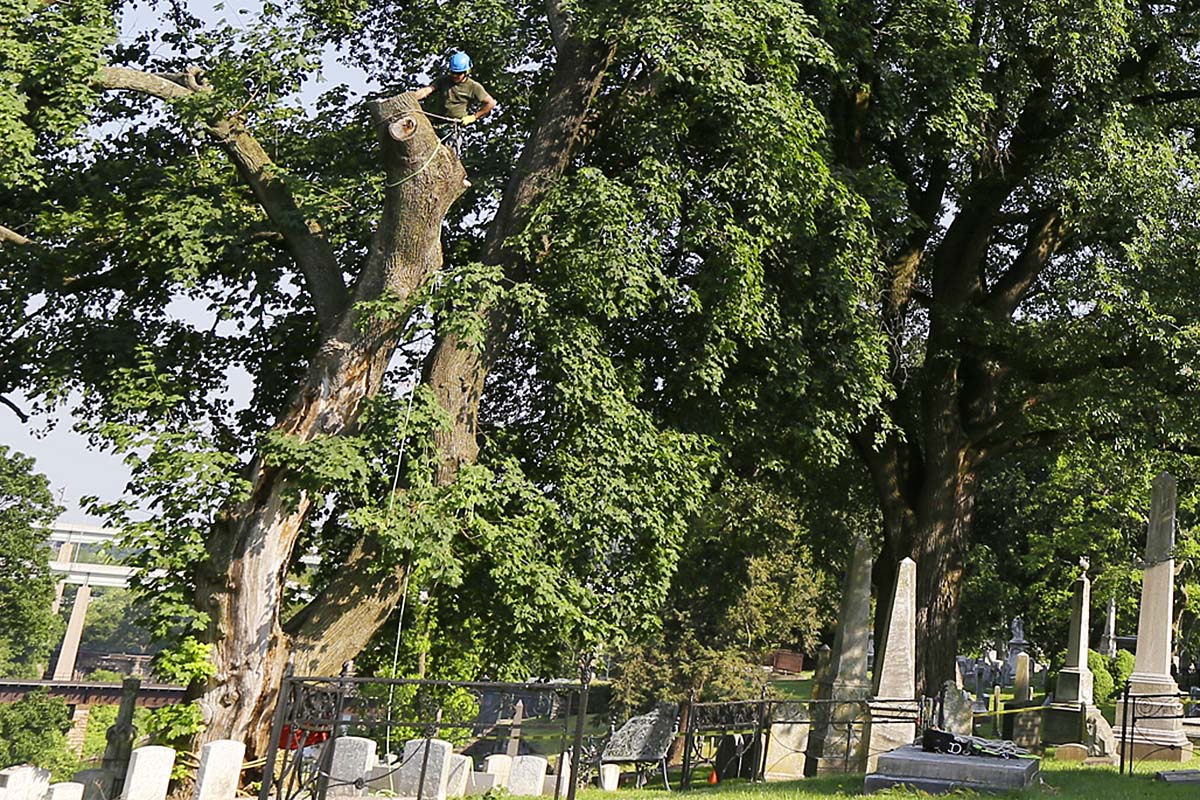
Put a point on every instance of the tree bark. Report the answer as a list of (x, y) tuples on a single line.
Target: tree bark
[(456, 370), (241, 586)]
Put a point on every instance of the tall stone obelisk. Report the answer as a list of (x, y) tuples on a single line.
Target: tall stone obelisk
[(895, 684), (835, 741), (1156, 724), (1075, 681)]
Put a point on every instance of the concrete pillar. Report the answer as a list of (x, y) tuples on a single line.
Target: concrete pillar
[(64, 670), (79, 723), (65, 553)]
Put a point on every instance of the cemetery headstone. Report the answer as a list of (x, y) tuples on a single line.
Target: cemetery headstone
[(610, 777), (1016, 645), (528, 776), (350, 765), (1108, 640), (1022, 690), (938, 773), (786, 746), (513, 749), (220, 770), (432, 756), (1101, 743), (67, 790), (835, 740), (481, 783), (958, 710), (893, 708), (1075, 680), (499, 765), (149, 773), (24, 782), (1158, 729), (562, 774), (119, 738), (97, 784), (458, 775)]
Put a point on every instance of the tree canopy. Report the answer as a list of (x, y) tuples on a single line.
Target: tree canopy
[(859, 253)]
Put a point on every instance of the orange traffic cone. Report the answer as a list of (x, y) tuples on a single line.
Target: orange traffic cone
[(713, 778)]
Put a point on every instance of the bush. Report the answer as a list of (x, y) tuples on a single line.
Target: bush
[(33, 730), (1121, 667), (1102, 685)]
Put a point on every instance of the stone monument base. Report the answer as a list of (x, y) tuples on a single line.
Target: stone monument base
[(1155, 751), (938, 773), (1063, 723)]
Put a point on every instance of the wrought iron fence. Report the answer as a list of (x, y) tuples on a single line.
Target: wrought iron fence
[(739, 737), (1143, 706), (478, 718)]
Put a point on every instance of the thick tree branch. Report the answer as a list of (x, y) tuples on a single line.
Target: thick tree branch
[(304, 238), (1046, 235), (9, 236)]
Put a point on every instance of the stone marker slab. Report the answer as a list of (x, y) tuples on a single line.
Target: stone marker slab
[(644, 738), (938, 772), (1072, 751), (149, 773), (499, 765), (349, 766), (480, 783), (24, 782), (1178, 776), (528, 776), (1023, 725), (436, 762), (458, 775), (958, 710), (786, 751), (220, 770), (67, 790), (97, 783), (610, 777)]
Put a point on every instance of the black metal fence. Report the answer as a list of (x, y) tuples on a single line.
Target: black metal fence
[(1144, 706), (738, 738), (477, 718)]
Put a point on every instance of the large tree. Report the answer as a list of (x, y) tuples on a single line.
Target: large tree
[(1032, 177), (27, 626), (613, 247)]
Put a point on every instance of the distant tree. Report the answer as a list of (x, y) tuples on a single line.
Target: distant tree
[(28, 629), (33, 731), (112, 624)]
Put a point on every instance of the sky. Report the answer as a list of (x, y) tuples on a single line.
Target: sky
[(72, 467)]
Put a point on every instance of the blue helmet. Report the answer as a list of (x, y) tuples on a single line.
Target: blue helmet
[(460, 62)]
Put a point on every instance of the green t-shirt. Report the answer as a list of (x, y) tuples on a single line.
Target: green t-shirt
[(450, 99)]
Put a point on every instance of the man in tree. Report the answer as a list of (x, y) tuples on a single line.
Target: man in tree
[(452, 97)]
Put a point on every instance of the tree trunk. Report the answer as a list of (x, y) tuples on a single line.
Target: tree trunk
[(251, 549), (456, 370)]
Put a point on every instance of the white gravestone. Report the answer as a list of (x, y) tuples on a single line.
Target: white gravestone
[(458, 775), (68, 790), (349, 764), (480, 783), (499, 765), (610, 776), (24, 782), (436, 763), (220, 770), (563, 776), (149, 773), (528, 776)]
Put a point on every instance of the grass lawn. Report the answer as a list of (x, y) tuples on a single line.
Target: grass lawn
[(1062, 781)]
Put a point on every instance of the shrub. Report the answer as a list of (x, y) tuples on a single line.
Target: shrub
[(1102, 686), (1121, 667)]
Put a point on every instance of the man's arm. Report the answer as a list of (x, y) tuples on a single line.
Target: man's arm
[(488, 103), (423, 92)]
